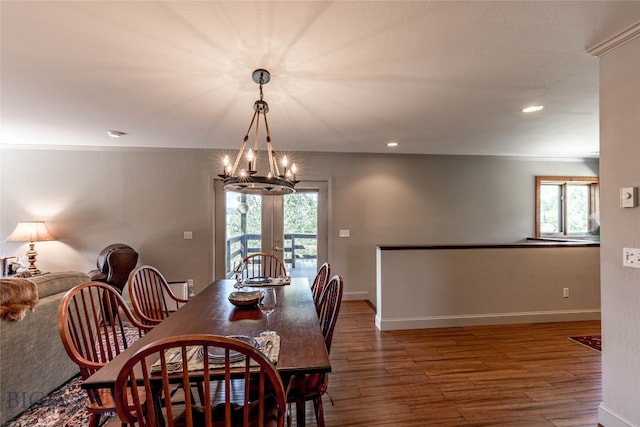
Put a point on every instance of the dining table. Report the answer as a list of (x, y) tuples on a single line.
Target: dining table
[(295, 320)]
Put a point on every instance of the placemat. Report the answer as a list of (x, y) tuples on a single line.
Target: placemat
[(195, 362)]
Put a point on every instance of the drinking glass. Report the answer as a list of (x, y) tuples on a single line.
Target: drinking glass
[(267, 305), (237, 271)]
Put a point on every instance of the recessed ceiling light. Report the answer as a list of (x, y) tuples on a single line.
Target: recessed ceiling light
[(532, 109), (115, 133), (392, 144)]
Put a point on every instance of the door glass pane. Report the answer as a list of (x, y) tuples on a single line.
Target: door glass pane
[(577, 209), (550, 209), (243, 228), (301, 234)]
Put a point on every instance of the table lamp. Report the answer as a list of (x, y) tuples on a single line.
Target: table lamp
[(31, 231)]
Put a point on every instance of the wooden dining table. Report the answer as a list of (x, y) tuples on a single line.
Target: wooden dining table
[(302, 347)]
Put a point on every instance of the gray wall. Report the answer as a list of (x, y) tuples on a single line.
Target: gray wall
[(89, 199), (517, 283), (620, 152), (147, 198)]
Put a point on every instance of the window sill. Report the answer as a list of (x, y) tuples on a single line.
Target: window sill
[(566, 239)]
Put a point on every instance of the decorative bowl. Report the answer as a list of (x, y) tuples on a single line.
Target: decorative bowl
[(245, 299)]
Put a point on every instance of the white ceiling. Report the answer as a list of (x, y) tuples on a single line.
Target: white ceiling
[(439, 77)]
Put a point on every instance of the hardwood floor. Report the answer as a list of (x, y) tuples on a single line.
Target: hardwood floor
[(528, 375), (513, 375)]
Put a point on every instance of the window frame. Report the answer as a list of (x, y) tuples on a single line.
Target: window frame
[(563, 181)]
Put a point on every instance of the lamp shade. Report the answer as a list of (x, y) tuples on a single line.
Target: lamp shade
[(30, 231)]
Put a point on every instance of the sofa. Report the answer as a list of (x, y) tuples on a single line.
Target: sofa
[(33, 361)]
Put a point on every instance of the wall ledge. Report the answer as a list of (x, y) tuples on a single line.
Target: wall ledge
[(527, 244)]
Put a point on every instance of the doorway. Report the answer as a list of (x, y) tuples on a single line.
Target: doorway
[(293, 227)]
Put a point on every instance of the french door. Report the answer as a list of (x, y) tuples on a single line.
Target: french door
[(293, 227)]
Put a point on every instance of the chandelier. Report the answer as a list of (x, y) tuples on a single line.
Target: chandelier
[(242, 176)]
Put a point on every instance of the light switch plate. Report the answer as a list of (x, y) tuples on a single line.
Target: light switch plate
[(629, 197), (344, 233)]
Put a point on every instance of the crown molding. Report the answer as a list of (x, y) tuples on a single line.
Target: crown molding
[(616, 41)]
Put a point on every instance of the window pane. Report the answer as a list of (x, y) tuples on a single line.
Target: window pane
[(550, 209), (244, 227), (301, 234), (577, 209)]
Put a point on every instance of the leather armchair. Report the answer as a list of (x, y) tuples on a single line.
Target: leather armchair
[(114, 263)]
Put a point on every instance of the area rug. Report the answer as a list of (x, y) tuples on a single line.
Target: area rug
[(591, 341), (64, 407)]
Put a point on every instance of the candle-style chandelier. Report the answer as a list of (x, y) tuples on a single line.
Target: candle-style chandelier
[(242, 176)]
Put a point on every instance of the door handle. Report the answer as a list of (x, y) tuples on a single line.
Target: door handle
[(277, 248)]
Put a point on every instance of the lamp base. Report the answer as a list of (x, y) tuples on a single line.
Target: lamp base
[(31, 256)]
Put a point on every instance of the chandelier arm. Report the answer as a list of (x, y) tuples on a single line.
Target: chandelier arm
[(273, 165), (272, 161), (244, 145), (253, 119), (255, 142), (239, 156)]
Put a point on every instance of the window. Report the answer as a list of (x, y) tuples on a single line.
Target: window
[(567, 206)]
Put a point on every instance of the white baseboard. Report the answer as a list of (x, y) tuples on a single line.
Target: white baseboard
[(355, 296), (485, 319), (608, 418)]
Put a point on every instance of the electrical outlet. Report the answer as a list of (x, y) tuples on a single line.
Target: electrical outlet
[(565, 292), (631, 257)]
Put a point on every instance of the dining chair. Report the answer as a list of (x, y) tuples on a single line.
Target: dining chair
[(262, 265), (316, 384), (96, 325), (232, 364), (320, 281), (147, 290)]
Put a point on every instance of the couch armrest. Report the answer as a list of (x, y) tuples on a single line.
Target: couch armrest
[(53, 283)]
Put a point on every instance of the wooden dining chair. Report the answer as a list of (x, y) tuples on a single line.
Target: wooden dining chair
[(96, 325), (320, 281), (262, 265), (240, 364), (147, 290), (316, 384)]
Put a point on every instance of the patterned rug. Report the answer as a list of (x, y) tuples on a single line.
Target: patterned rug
[(591, 341), (64, 407)]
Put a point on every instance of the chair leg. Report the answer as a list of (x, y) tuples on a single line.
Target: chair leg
[(289, 415), (317, 404), (94, 421)]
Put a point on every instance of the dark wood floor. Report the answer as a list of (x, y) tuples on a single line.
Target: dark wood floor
[(513, 375), (528, 375)]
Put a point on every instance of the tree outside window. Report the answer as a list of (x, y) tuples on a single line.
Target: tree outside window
[(567, 207)]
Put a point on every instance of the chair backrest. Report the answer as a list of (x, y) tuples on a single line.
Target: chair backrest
[(154, 367), (96, 325), (117, 261), (322, 277), (330, 301), (120, 263), (263, 265), (147, 290)]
